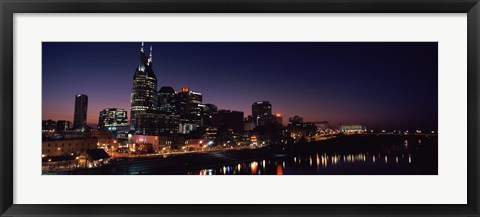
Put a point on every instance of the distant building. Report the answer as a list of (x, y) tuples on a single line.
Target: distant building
[(112, 118), (295, 120), (62, 126), (80, 113), (299, 130), (144, 90), (189, 101), (208, 112), (261, 108), (352, 128), (48, 126), (167, 101), (229, 119), (262, 113)]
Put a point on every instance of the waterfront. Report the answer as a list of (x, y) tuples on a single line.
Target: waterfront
[(344, 155)]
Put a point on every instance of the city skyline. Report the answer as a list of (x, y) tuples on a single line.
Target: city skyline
[(332, 88)]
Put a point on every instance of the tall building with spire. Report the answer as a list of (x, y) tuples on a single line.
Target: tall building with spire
[(144, 95)]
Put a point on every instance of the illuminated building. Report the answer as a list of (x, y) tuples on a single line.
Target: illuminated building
[(145, 143), (144, 91), (167, 102), (80, 114), (112, 118), (189, 101), (352, 128), (229, 119), (93, 158), (48, 126), (62, 126), (299, 130), (188, 125), (59, 147), (115, 121)]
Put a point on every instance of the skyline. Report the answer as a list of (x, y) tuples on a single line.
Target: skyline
[(337, 82)]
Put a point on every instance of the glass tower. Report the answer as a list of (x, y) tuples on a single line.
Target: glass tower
[(144, 91)]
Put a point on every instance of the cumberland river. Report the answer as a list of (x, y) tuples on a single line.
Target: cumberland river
[(343, 155)]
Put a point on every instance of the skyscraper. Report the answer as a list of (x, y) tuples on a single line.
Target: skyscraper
[(189, 101), (80, 114), (167, 101), (261, 108), (144, 91), (262, 113)]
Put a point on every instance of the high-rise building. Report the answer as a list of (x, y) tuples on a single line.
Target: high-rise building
[(112, 118), (167, 102), (144, 91), (189, 101), (80, 114), (261, 108), (262, 113), (208, 111), (62, 126), (194, 102)]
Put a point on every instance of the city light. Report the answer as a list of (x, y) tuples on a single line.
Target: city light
[(176, 130)]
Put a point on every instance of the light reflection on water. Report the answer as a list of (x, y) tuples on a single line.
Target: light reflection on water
[(317, 163)]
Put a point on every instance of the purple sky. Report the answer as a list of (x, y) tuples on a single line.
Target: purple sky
[(383, 85)]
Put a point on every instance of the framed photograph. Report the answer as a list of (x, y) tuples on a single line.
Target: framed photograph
[(200, 108)]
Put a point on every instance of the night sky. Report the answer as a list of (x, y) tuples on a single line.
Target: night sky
[(382, 85)]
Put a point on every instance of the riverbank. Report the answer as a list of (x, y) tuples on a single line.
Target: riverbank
[(194, 163)]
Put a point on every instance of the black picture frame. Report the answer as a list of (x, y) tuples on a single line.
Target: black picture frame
[(9, 7)]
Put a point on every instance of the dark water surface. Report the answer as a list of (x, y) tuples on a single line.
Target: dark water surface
[(344, 155)]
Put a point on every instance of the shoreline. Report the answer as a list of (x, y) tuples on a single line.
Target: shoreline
[(183, 163)]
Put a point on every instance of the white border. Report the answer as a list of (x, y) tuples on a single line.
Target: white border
[(448, 187)]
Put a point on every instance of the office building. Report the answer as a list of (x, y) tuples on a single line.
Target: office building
[(80, 113), (112, 118), (144, 91), (167, 101)]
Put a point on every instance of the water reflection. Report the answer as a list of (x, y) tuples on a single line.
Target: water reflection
[(396, 155), (317, 163)]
